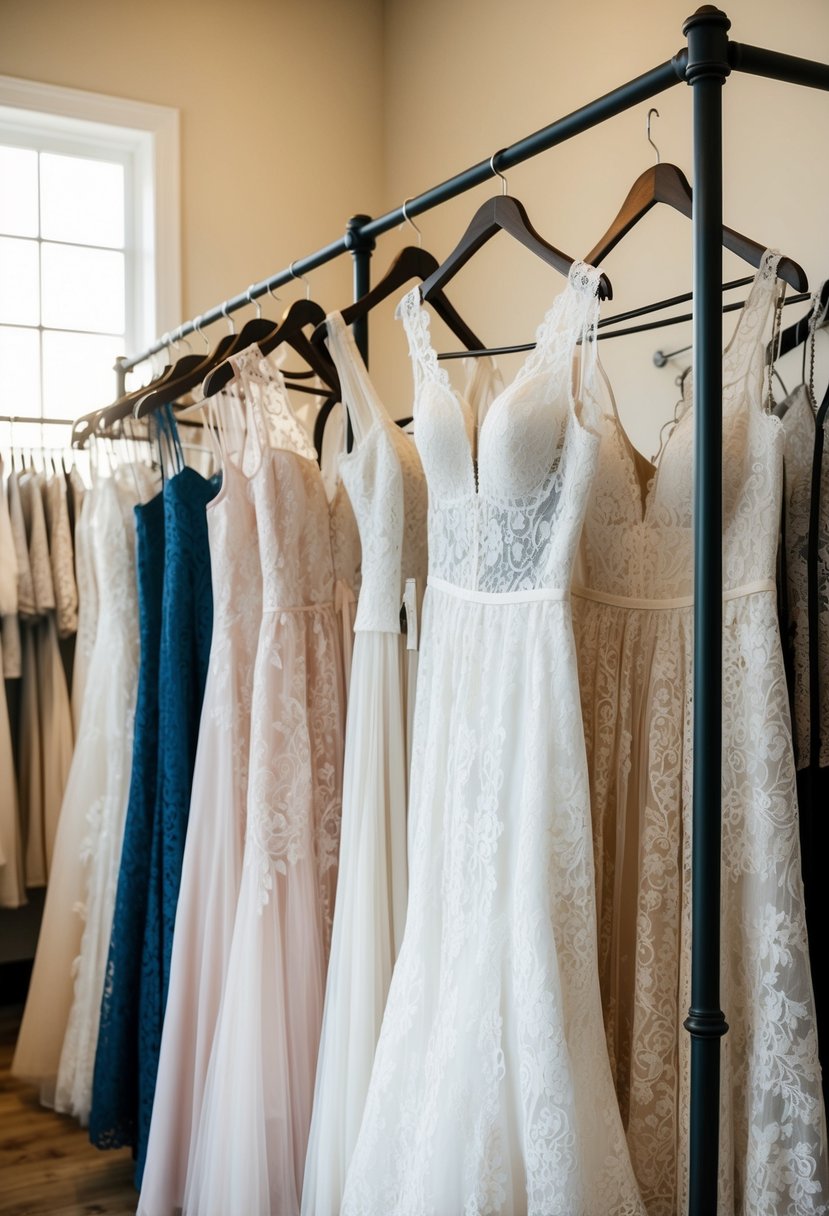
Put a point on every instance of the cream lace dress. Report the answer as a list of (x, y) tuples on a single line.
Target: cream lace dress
[(633, 620)]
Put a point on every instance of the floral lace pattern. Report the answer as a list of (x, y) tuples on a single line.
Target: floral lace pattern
[(635, 664), (491, 1091), (61, 554)]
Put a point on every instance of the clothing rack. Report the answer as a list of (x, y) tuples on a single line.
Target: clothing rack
[(704, 63)]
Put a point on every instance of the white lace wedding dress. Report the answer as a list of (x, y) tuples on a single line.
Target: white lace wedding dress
[(491, 1090), (633, 619)]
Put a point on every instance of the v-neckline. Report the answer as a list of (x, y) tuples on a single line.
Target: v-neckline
[(461, 400)]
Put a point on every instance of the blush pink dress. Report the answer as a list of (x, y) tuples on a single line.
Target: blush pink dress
[(248, 1153)]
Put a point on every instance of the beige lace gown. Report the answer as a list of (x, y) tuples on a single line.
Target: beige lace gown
[(633, 620)]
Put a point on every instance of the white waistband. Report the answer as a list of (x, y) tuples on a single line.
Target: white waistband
[(679, 601), (498, 597), (323, 605)]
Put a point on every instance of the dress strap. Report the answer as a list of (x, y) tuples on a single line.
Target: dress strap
[(359, 395), (416, 323)]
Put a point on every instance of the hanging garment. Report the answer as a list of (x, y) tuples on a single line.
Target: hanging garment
[(186, 627), (12, 625), (491, 1089), (12, 891), (96, 786), (634, 634), (249, 1151), (813, 770), (61, 555), (47, 737), (213, 850), (101, 847), (386, 485), (115, 1088), (87, 602)]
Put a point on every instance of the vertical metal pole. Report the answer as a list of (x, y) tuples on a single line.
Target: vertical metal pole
[(120, 375), (361, 248), (706, 70)]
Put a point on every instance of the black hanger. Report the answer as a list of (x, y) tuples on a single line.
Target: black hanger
[(503, 213), (174, 386), (296, 318), (411, 263), (666, 183)]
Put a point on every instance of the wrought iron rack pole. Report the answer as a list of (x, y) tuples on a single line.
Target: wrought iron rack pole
[(704, 64)]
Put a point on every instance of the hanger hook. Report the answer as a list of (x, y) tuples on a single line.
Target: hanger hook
[(304, 278), (272, 293), (255, 303), (497, 172), (231, 327), (197, 327), (652, 110), (411, 222)]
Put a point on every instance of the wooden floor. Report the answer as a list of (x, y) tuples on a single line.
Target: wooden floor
[(47, 1165)]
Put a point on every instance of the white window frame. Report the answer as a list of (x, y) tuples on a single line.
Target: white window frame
[(145, 138)]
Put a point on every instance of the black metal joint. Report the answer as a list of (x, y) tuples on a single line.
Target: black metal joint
[(707, 34), (355, 240), (706, 1024)]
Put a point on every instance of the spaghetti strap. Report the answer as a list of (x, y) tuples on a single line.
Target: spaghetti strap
[(359, 396)]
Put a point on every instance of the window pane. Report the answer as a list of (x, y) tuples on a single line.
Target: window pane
[(81, 200), (82, 288), (20, 371), (77, 373), (18, 191), (19, 287)]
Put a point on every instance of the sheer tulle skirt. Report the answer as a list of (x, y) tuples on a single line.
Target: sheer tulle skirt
[(204, 927), (491, 1089), (248, 1153), (370, 909)]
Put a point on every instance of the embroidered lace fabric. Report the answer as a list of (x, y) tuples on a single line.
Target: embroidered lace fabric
[(104, 747), (87, 827), (212, 864), (636, 685), (61, 555), (248, 1151), (87, 603), (491, 1090)]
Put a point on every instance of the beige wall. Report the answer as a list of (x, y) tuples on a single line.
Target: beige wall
[(281, 116), (294, 115), (464, 78)]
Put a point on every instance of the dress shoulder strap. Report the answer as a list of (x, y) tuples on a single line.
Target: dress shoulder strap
[(359, 395), (416, 323), (271, 416)]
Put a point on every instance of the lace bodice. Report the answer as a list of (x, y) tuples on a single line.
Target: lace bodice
[(638, 540), (799, 430), (506, 496), (387, 488), (292, 511)]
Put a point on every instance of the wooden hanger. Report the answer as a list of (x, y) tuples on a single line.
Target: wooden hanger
[(503, 213), (412, 262), (296, 318), (666, 183)]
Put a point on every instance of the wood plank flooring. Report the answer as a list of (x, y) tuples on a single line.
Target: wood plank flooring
[(47, 1165)]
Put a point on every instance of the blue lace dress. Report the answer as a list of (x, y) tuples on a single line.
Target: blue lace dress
[(187, 624), (139, 966)]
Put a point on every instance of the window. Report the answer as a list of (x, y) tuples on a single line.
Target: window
[(88, 249)]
